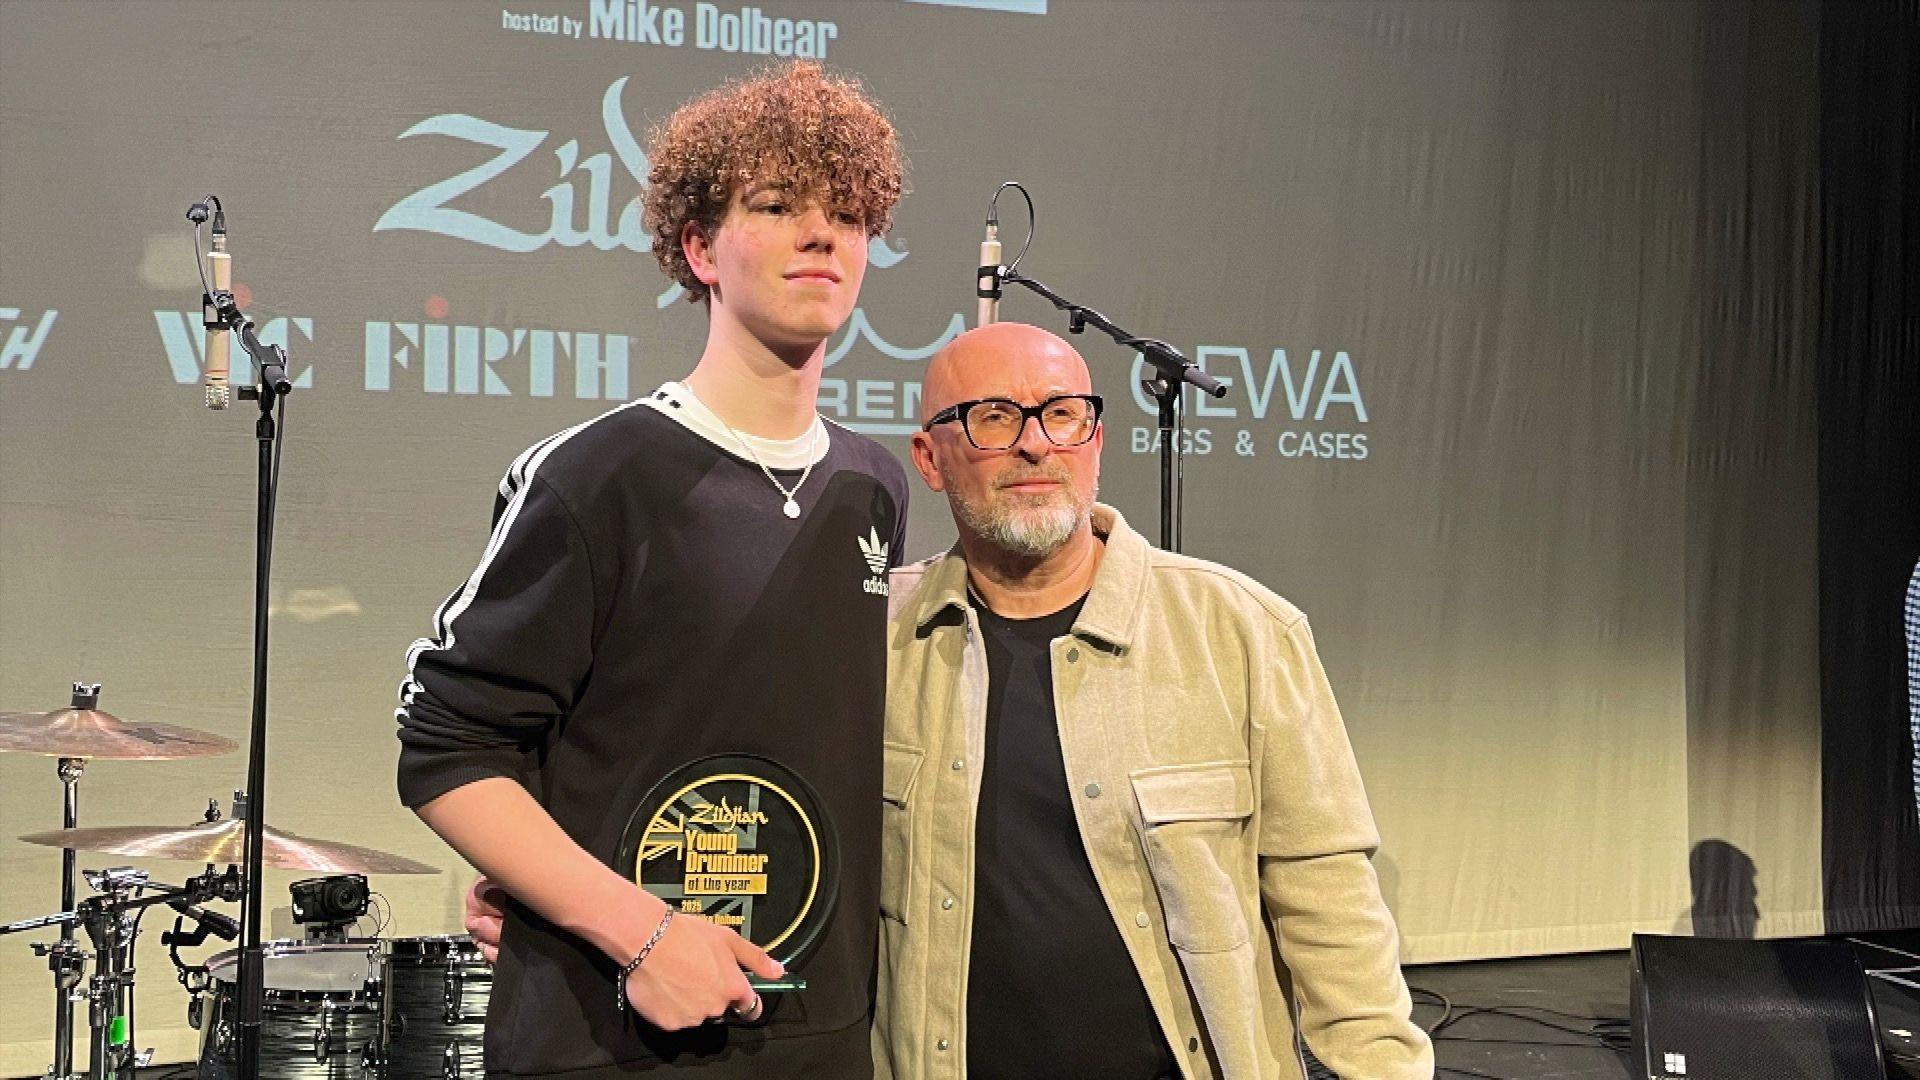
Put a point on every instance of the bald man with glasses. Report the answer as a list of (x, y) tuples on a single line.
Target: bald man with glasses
[(1124, 835)]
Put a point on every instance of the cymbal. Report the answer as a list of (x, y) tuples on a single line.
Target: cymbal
[(225, 842), (90, 733)]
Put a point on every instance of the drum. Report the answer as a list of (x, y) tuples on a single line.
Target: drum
[(437, 993), (321, 1017)]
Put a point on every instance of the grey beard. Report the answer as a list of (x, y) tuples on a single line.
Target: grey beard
[(1030, 532)]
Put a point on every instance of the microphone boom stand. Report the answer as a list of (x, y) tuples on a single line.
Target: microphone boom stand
[(1171, 371), (273, 388)]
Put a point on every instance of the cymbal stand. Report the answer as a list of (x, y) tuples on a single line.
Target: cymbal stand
[(64, 957)]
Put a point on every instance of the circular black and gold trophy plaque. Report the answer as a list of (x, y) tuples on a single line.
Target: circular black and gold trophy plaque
[(741, 841)]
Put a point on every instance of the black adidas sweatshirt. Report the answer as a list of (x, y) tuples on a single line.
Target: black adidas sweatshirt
[(642, 602)]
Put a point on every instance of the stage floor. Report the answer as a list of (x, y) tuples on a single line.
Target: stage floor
[(1579, 990), (1595, 985), (1590, 985)]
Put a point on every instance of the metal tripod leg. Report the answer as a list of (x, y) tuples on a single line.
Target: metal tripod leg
[(64, 957)]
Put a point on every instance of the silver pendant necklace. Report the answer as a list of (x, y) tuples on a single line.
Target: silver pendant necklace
[(791, 507)]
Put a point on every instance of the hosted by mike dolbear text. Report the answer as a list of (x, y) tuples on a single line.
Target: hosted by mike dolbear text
[(640, 22)]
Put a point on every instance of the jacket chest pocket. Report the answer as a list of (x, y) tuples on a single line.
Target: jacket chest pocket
[(900, 768), (1193, 824)]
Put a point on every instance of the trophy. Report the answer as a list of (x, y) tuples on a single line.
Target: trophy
[(741, 841)]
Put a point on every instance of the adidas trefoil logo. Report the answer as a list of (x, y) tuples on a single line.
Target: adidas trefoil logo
[(874, 551)]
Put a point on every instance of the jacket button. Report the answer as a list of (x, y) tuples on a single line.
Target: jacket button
[(1142, 920), (1073, 656), (958, 764), (1193, 1045), (947, 904), (1093, 791), (941, 1045)]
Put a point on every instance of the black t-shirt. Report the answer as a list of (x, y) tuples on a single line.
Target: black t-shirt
[(642, 603), (1051, 991)]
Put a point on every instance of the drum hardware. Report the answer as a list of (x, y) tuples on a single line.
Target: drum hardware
[(327, 1043), (73, 736), (351, 1010), (111, 921), (329, 1032), (193, 977), (68, 962), (323, 1030), (453, 998), (65, 959), (113, 928)]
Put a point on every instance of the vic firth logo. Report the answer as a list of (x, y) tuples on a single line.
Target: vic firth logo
[(874, 550)]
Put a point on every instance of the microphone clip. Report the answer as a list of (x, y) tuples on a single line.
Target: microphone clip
[(988, 285), (186, 939), (213, 307)]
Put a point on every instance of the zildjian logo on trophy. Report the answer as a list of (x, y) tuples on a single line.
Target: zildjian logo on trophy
[(707, 843), (737, 841)]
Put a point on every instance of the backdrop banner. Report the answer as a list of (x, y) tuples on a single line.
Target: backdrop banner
[(1517, 303)]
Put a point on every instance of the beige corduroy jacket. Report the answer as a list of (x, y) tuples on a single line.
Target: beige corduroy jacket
[(1218, 801)]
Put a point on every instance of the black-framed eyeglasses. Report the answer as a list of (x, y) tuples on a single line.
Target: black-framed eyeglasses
[(997, 423)]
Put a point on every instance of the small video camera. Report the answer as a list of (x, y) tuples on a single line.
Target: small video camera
[(329, 901)]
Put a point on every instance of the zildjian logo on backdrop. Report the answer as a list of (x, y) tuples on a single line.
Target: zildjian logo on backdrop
[(430, 209)]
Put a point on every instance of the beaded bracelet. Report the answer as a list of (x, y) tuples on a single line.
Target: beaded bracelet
[(633, 965)]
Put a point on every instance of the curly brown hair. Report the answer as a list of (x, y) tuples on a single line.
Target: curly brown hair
[(797, 126)]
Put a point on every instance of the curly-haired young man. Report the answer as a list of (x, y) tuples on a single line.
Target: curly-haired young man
[(686, 575)]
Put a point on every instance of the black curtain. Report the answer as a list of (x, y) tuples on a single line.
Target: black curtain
[(1869, 441)]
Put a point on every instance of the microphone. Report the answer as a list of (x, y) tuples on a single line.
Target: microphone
[(988, 286), (219, 338), (224, 927)]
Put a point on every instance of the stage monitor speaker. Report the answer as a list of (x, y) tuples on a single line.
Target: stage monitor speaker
[(1709, 1009)]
